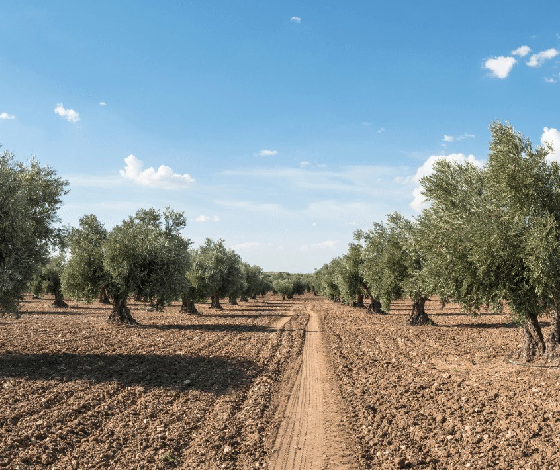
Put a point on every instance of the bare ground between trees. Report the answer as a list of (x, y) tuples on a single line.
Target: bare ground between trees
[(205, 392)]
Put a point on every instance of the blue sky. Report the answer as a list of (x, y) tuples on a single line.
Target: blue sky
[(282, 126)]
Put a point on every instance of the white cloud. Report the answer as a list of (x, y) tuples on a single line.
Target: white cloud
[(102, 103), (326, 245), (447, 138), (521, 51), (267, 153), (419, 202), (303, 164), (550, 80), (206, 218), (68, 114), (552, 136), (250, 245), (7, 116), (500, 66), (466, 136), (536, 60), (366, 124), (295, 19), (380, 130), (162, 178)]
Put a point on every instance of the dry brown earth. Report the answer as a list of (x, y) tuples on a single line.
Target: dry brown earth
[(258, 386), (442, 397)]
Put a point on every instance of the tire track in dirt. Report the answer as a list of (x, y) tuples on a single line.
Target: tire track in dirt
[(311, 433)]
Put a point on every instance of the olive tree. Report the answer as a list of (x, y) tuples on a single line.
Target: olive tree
[(30, 196), (394, 266), (84, 275), (493, 233), (217, 270), (48, 280)]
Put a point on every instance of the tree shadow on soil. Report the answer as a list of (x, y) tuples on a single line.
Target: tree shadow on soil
[(245, 315), (221, 328), (216, 375), (481, 326)]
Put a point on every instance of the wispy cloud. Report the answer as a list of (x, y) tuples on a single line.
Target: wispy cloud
[(267, 153), (295, 19), (380, 130), (550, 79), (500, 67), (326, 245), (250, 246), (207, 218), (68, 114), (7, 116), (102, 103), (521, 51), (448, 138), (164, 177), (536, 60)]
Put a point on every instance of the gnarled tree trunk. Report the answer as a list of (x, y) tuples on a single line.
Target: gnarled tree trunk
[(104, 296), (375, 307), (188, 306), (59, 300), (232, 300), (360, 301), (419, 315), (533, 340), (215, 302), (243, 298), (121, 312)]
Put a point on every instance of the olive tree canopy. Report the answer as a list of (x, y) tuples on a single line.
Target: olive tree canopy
[(30, 196)]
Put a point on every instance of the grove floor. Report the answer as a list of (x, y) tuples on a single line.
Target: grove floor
[(213, 391)]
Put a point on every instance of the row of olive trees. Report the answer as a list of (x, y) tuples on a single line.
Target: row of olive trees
[(145, 256), (490, 236), (288, 285)]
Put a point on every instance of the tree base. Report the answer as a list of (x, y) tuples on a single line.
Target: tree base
[(375, 307), (189, 307), (60, 304), (121, 316), (418, 316)]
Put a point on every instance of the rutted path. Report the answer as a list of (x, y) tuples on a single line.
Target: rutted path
[(311, 434)]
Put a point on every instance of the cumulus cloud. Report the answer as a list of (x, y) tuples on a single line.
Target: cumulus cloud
[(206, 218), (267, 153), (550, 80), (162, 178), (551, 136), (447, 138), (102, 103), (295, 19), (68, 114), (521, 51), (501, 66), (419, 202), (7, 116), (536, 60)]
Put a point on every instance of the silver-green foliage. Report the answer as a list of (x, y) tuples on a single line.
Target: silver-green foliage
[(30, 196)]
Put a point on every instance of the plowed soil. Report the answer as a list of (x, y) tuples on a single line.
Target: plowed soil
[(298, 384), (179, 391)]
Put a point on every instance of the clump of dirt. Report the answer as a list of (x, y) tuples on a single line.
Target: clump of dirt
[(442, 396), (177, 391)]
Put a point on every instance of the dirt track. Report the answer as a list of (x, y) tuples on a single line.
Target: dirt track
[(308, 418), (271, 384)]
